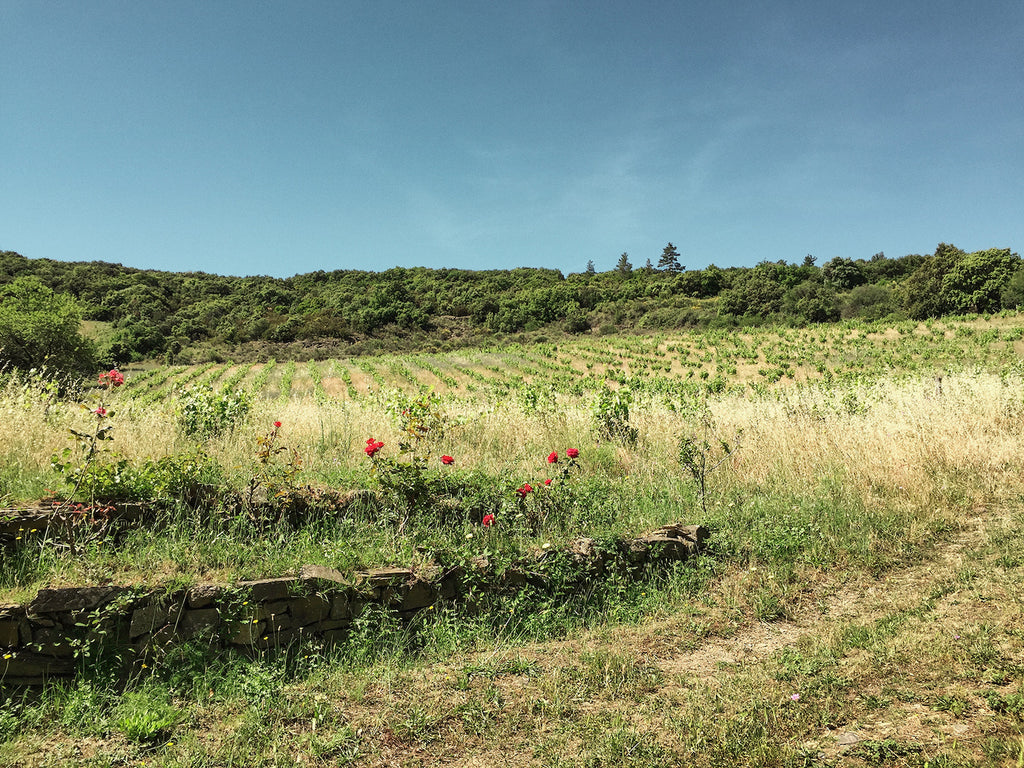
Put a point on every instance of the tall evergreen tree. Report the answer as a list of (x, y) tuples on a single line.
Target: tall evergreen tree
[(624, 267), (669, 260)]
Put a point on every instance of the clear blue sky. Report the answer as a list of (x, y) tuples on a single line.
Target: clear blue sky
[(284, 137)]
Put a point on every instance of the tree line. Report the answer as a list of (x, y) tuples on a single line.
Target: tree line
[(173, 314)]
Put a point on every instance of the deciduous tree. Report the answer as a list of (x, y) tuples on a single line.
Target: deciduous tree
[(41, 328)]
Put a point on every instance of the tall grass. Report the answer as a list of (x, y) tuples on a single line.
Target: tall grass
[(860, 471), (831, 481)]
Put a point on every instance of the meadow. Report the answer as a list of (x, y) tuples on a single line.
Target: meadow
[(859, 602)]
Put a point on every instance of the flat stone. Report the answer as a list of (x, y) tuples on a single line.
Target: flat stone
[(248, 633), (163, 638), (309, 610), (195, 622), (420, 595), (319, 576), (332, 624), (586, 548), (275, 608), (848, 739), (265, 590), (513, 578), (148, 618), (53, 642), (638, 550), (663, 548), (384, 577), (203, 595), (341, 606), (73, 598), (272, 639), (279, 623), (677, 541), (10, 633), (32, 669), (450, 581)]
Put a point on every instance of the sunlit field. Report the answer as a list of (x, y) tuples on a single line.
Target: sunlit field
[(837, 467)]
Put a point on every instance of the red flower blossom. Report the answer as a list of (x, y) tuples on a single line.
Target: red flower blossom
[(372, 446), (548, 481), (553, 457), (277, 425), (572, 453), (488, 521), (101, 411), (447, 460), (114, 377), (525, 489)]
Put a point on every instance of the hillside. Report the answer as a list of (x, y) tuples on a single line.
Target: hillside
[(194, 316)]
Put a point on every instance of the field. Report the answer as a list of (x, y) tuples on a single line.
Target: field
[(859, 602)]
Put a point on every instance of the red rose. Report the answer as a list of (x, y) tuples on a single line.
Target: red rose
[(114, 377), (553, 457), (101, 411), (572, 453), (372, 446), (525, 489), (447, 460), (548, 481), (277, 425), (488, 521)]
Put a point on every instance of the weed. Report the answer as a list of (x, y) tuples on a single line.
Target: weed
[(1010, 704), (954, 704), (883, 752), (611, 416), (146, 716), (699, 458), (204, 413)]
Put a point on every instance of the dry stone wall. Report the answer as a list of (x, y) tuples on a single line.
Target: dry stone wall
[(57, 633)]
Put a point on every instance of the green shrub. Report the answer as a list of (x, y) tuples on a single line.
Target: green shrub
[(611, 416), (146, 716), (40, 328), (204, 413), (188, 478)]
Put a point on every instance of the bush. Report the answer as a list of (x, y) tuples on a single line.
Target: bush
[(611, 416), (869, 302), (204, 413), (40, 328), (189, 478)]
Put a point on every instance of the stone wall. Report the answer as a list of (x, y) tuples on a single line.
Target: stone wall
[(59, 631)]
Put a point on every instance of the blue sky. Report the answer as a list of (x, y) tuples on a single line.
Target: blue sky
[(285, 137)]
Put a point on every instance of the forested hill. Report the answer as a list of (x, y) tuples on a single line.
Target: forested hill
[(178, 315)]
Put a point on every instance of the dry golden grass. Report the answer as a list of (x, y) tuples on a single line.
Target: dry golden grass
[(913, 660), (895, 442)]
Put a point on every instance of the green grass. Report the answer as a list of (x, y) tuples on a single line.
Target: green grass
[(864, 575)]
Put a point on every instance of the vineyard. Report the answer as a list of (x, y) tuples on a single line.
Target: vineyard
[(857, 603), (669, 365)]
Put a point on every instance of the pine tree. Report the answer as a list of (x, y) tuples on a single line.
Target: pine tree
[(590, 268), (669, 260), (624, 267)]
